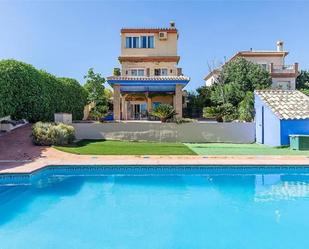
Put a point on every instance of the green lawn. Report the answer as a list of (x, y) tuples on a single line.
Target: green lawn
[(102, 147), (242, 149)]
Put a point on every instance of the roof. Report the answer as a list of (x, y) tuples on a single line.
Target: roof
[(148, 30), (149, 58), (286, 104), (213, 72), (148, 84), (154, 78), (261, 53)]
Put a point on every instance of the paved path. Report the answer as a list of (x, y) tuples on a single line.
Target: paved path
[(19, 155), (17, 145)]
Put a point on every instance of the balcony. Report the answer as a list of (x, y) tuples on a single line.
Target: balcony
[(283, 70), (146, 73)]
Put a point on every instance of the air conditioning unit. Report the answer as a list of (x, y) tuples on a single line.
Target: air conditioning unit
[(162, 35)]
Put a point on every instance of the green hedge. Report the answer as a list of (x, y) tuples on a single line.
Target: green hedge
[(36, 95)]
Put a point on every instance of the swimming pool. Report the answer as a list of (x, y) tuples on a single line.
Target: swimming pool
[(83, 207)]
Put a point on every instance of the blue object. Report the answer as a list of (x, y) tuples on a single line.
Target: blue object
[(109, 117), (84, 207), (273, 131)]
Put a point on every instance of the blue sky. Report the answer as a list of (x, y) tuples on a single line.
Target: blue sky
[(68, 37)]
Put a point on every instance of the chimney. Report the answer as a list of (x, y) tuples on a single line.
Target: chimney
[(172, 25), (279, 46)]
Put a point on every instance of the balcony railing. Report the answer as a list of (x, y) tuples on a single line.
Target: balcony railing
[(284, 69), (117, 72)]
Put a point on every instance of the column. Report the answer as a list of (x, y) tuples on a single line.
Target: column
[(116, 102), (149, 104), (178, 101), (124, 107)]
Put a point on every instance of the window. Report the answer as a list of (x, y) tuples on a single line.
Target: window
[(157, 72), (264, 66), (284, 85), (133, 72), (155, 104), (140, 72), (137, 72), (160, 72), (128, 42), (150, 42), (143, 41), (140, 42), (132, 42), (164, 72), (135, 43)]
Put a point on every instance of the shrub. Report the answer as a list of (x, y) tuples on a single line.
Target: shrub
[(116, 71), (98, 112), (163, 112), (52, 134), (35, 95), (226, 112), (181, 120)]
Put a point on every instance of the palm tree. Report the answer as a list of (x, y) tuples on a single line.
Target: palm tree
[(163, 112)]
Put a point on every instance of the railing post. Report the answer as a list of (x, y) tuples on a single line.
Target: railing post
[(271, 69)]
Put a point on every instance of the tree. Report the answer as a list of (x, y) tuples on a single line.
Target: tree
[(95, 86), (235, 85), (163, 112), (246, 108), (247, 75), (96, 94), (196, 101), (302, 82)]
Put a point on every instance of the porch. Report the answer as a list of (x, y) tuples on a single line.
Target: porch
[(138, 106), (134, 98)]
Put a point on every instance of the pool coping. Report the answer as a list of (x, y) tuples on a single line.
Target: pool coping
[(58, 158)]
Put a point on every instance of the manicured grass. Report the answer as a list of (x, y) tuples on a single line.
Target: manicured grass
[(102, 147), (242, 149)]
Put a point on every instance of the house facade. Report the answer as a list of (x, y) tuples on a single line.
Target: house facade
[(149, 75), (283, 76)]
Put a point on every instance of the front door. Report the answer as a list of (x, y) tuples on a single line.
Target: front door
[(140, 111), (259, 122)]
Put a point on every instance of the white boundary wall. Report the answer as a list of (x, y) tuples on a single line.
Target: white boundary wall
[(168, 132)]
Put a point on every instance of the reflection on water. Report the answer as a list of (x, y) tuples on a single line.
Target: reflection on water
[(281, 187)]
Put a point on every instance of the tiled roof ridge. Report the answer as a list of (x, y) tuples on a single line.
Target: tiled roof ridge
[(286, 104), (154, 28)]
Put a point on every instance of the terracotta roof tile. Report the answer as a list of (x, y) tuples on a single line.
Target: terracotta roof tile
[(148, 30), (286, 104), (153, 78)]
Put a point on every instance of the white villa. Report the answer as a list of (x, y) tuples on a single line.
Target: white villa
[(283, 76)]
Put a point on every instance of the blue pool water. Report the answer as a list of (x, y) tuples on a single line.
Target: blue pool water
[(140, 208)]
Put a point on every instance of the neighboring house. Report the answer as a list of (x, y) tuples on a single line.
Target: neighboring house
[(280, 113), (149, 73), (283, 76)]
